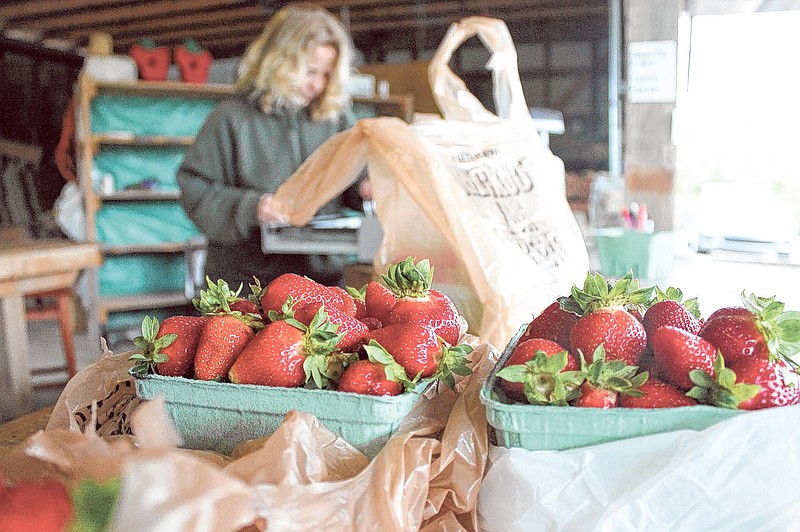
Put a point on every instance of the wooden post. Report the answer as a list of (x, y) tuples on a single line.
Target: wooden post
[(648, 152)]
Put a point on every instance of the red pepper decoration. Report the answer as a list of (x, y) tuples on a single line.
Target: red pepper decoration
[(193, 62), (152, 61)]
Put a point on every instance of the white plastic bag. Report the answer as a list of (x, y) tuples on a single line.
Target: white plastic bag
[(68, 212), (477, 194), (740, 474), (527, 242)]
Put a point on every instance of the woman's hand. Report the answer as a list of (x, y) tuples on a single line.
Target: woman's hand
[(269, 210)]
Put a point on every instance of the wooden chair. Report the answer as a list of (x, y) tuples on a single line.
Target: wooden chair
[(19, 162)]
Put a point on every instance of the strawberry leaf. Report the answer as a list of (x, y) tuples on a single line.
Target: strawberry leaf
[(513, 373), (724, 391), (94, 504), (453, 361), (788, 326)]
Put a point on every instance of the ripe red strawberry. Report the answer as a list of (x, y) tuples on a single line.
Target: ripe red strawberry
[(656, 394), (303, 291), (525, 351), (605, 320), (543, 378), (368, 378), (168, 349), (378, 374), (777, 381), (371, 323), (554, 323), (606, 381), (222, 339), (287, 353), (353, 331), (761, 330), (417, 302), (41, 506), (359, 298), (595, 397), (421, 352), (180, 353), (729, 312), (378, 300), (677, 352), (670, 309), (349, 306)]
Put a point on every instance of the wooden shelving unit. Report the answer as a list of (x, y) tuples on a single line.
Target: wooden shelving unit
[(91, 143)]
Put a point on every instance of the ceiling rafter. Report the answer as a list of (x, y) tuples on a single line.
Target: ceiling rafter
[(226, 26)]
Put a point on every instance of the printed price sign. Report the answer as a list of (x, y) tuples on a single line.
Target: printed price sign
[(652, 71)]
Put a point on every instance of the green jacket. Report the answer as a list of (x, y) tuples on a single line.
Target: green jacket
[(240, 153)]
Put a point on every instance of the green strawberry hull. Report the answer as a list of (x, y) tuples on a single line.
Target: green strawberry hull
[(551, 428), (218, 416)]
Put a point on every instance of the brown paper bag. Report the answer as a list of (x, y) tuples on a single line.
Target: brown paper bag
[(479, 195)]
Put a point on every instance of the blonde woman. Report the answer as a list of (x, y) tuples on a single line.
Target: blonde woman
[(290, 98)]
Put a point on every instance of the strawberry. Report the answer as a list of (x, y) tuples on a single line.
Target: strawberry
[(606, 381), (606, 321), (554, 323), (676, 352), (218, 298), (180, 353), (379, 374), (371, 323), (417, 302), (777, 380), (168, 349), (36, 506), (252, 304), (368, 378), (656, 394), (670, 309), (288, 353), (378, 300), (359, 296), (544, 377), (761, 330), (595, 397), (349, 306), (353, 331), (303, 291), (723, 390), (421, 352), (525, 351), (729, 312), (222, 340)]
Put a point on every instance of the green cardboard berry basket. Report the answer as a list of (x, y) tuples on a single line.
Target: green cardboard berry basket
[(219, 416), (539, 428), (650, 256)]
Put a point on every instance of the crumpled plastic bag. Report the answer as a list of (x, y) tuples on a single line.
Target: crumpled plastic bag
[(740, 474), (302, 477)]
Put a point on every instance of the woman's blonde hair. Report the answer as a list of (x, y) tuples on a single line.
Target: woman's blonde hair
[(273, 62)]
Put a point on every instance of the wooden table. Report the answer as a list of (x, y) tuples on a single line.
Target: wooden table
[(30, 266), (17, 431)]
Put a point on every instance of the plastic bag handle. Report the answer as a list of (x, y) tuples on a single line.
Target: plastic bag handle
[(455, 101)]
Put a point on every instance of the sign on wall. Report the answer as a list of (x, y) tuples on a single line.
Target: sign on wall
[(652, 71)]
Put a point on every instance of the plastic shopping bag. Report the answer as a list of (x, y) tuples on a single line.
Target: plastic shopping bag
[(740, 474), (479, 195)]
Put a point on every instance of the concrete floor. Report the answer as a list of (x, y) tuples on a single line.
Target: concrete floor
[(717, 281)]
